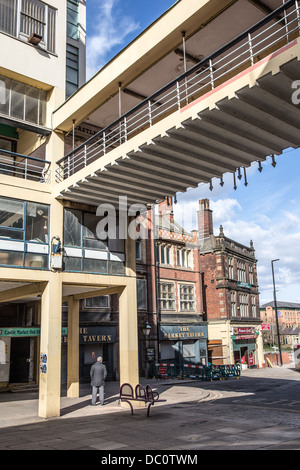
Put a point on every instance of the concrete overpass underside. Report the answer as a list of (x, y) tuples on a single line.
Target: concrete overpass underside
[(247, 118)]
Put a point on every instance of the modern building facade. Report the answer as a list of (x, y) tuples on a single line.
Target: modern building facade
[(231, 296), (197, 94), (288, 322)]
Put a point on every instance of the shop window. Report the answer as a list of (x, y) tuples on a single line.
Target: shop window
[(187, 297), (188, 349), (167, 351), (166, 296)]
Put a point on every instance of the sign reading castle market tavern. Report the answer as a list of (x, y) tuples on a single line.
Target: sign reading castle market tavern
[(95, 334), (181, 332)]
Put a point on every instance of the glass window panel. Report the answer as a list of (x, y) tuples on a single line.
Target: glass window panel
[(4, 95), (8, 16), (70, 89), (72, 264), (32, 17), (51, 30), (33, 260), (116, 267), (42, 108), (13, 234), (17, 99), (32, 104), (141, 285), (72, 75), (95, 266), (11, 213), (72, 228), (90, 239), (11, 258), (37, 222), (97, 302)]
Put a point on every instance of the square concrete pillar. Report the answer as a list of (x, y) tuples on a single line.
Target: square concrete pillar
[(128, 334), (50, 374), (73, 348)]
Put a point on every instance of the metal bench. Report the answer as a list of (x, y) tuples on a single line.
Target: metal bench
[(145, 395)]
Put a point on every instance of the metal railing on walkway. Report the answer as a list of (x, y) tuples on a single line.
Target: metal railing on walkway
[(22, 166), (268, 35)]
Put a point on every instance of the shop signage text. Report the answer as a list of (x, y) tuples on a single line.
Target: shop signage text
[(183, 332)]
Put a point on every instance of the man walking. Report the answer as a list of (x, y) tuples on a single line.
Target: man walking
[(98, 375)]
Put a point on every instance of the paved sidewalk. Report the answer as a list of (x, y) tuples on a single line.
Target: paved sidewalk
[(195, 416)]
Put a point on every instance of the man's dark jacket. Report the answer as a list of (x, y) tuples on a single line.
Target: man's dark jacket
[(98, 374)]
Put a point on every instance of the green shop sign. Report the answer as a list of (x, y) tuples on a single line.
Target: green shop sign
[(24, 331)]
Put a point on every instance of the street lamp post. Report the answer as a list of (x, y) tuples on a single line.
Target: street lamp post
[(276, 313)]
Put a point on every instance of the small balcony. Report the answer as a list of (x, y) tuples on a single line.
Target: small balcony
[(25, 167)]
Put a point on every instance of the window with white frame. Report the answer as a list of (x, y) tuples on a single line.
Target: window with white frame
[(166, 296), (251, 275), (253, 305), (22, 18), (241, 271), (244, 305), (230, 268), (164, 254), (184, 258), (187, 297), (233, 303)]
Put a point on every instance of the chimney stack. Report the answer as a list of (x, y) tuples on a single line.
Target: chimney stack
[(205, 219)]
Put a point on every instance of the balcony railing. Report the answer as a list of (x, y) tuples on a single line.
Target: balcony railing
[(22, 166), (268, 35)]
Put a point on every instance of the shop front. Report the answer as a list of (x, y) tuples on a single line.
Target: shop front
[(245, 346), (183, 344), (94, 341), (18, 347)]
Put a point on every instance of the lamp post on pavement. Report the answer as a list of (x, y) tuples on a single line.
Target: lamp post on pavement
[(276, 313)]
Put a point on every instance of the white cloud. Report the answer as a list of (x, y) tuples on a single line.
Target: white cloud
[(274, 236), (111, 28)]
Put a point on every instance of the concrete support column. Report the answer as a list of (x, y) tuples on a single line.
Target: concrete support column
[(128, 334), (51, 320), (128, 322), (73, 348)]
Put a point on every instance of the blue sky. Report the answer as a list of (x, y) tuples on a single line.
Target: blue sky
[(267, 211)]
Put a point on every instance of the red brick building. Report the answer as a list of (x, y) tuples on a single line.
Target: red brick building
[(170, 292), (230, 295)]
